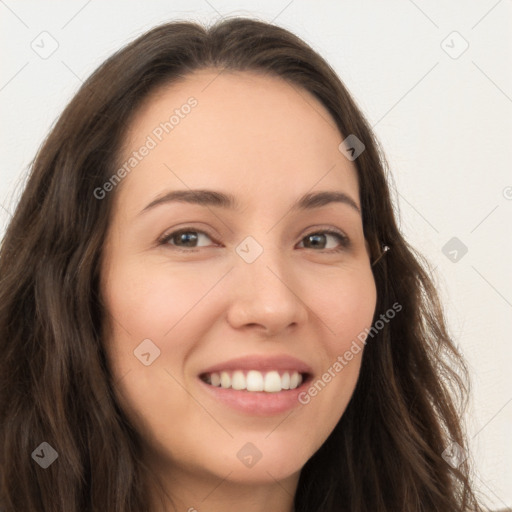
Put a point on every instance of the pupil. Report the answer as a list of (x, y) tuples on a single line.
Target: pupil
[(314, 237), (188, 235)]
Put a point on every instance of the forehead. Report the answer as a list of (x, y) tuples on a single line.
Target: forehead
[(246, 131)]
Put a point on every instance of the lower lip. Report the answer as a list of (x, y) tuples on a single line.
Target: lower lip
[(258, 403)]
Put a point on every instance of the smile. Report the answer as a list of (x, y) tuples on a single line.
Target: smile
[(253, 380)]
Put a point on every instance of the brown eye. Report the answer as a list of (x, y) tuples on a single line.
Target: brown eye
[(186, 240), (318, 239), (187, 237)]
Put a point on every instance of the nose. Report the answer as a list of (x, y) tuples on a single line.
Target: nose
[(269, 297)]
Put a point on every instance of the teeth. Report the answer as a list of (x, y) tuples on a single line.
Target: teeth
[(285, 381), (215, 379), (270, 382), (294, 380), (254, 381), (238, 381), (225, 380)]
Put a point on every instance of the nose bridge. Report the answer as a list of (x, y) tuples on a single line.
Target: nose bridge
[(266, 285), (263, 261)]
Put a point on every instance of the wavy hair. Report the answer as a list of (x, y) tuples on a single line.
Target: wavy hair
[(386, 452)]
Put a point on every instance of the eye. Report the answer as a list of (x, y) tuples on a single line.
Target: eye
[(317, 238), (189, 237)]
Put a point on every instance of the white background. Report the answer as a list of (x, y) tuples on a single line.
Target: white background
[(445, 124)]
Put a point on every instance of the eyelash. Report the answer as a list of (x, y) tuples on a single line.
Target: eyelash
[(343, 239)]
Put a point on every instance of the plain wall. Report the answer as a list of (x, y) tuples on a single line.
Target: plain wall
[(444, 120)]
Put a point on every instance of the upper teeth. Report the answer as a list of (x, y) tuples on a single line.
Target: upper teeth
[(270, 382)]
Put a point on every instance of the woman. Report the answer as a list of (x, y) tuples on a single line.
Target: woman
[(261, 370)]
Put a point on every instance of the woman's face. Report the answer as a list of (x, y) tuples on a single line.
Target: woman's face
[(261, 279)]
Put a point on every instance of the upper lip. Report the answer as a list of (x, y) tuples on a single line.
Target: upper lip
[(261, 363)]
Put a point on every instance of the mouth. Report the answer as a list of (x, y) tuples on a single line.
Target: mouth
[(255, 381), (258, 384)]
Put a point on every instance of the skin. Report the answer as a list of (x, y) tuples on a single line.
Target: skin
[(267, 143)]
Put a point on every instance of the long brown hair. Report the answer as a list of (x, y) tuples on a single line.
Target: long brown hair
[(385, 454)]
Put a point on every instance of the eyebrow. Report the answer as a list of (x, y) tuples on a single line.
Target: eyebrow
[(204, 197)]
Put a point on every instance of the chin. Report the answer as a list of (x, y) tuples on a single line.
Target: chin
[(262, 461)]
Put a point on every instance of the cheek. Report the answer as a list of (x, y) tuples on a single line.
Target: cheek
[(153, 302), (345, 303), (149, 301)]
